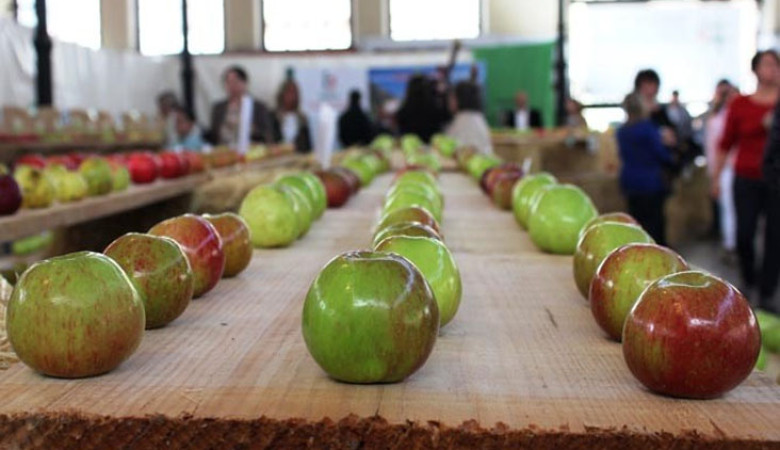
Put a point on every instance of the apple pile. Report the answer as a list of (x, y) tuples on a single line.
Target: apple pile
[(83, 314), (393, 299)]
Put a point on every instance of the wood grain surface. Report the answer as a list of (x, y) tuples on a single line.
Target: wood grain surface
[(523, 349)]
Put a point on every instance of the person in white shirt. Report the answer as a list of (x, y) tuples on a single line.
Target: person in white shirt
[(469, 126), (522, 117)]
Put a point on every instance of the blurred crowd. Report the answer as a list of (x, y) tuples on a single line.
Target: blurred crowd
[(741, 142)]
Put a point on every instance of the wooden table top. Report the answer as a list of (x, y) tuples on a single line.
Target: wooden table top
[(523, 350)]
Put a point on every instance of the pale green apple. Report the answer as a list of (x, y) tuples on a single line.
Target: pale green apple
[(271, 217), (523, 195), (558, 216)]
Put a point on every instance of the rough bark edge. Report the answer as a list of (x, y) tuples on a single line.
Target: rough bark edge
[(80, 431)]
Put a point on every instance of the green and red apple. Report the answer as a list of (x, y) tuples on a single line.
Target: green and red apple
[(406, 229), (97, 172), (201, 243), (557, 218), (160, 272), (621, 279), (618, 217), (37, 189), (597, 243), (74, 316), (436, 263), (370, 318), (412, 214), (691, 335), (271, 217), (524, 193), (234, 233)]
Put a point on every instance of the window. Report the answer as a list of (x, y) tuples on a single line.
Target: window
[(298, 25), (415, 20), (160, 26), (75, 21)]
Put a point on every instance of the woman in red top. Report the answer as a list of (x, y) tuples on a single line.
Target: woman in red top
[(747, 129)]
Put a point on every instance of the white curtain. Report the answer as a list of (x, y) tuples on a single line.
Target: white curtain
[(17, 56)]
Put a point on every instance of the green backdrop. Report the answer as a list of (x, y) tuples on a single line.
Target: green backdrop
[(516, 67)]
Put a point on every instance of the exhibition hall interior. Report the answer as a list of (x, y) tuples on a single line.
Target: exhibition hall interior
[(488, 224)]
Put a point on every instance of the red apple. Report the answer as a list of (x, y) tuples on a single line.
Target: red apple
[(202, 245), (35, 161), (170, 165), (350, 176), (621, 278), (502, 189), (10, 195), (77, 158), (337, 188), (195, 161), (691, 335), (143, 167), (159, 269), (64, 161), (236, 244), (491, 176)]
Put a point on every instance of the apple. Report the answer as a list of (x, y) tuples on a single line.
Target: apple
[(412, 214), (772, 338), (195, 161), (170, 165), (337, 188), (408, 199), (373, 161), (762, 359), (75, 316), (524, 193), (427, 160), (120, 177), (35, 161), (383, 142), (299, 183), (597, 244), (446, 145), (202, 245), (184, 164), (437, 265), (64, 161), (411, 192), (492, 175), (160, 272), (463, 155), (411, 143), (362, 169), (76, 158), (370, 318), (302, 207), (271, 217), (350, 176), (10, 195), (691, 335), (618, 217), (478, 164), (406, 229), (621, 278), (97, 172), (318, 188), (415, 176), (68, 186), (37, 189), (236, 244), (31, 244), (558, 216), (501, 191), (143, 167)]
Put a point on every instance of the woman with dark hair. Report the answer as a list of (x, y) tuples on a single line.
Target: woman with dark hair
[(469, 126), (355, 127), (747, 128), (227, 115), (644, 160), (290, 125), (420, 114)]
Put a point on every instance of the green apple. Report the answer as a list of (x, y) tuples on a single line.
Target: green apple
[(408, 199), (432, 194), (120, 177), (428, 160), (383, 142), (370, 318), (621, 278), (766, 319), (362, 169), (303, 208), (32, 244), (438, 266), (771, 337), (523, 195), (446, 145), (97, 172), (75, 316), (762, 359), (373, 161), (478, 164), (412, 214), (271, 216), (37, 188), (558, 216), (160, 271), (411, 143), (299, 183), (416, 177), (68, 186), (320, 193), (598, 242), (406, 229)]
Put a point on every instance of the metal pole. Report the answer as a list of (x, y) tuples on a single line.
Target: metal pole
[(43, 45), (187, 72), (561, 84)]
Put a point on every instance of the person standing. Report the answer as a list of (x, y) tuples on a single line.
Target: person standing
[(469, 126), (725, 221), (747, 124), (355, 127), (644, 159), (167, 104), (523, 117), (227, 115), (420, 113), (289, 124)]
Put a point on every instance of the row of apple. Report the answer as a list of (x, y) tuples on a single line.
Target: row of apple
[(38, 182), (83, 314), (684, 333), (374, 316)]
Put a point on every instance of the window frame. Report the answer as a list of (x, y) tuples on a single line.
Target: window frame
[(349, 49), (389, 20), (138, 34)]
